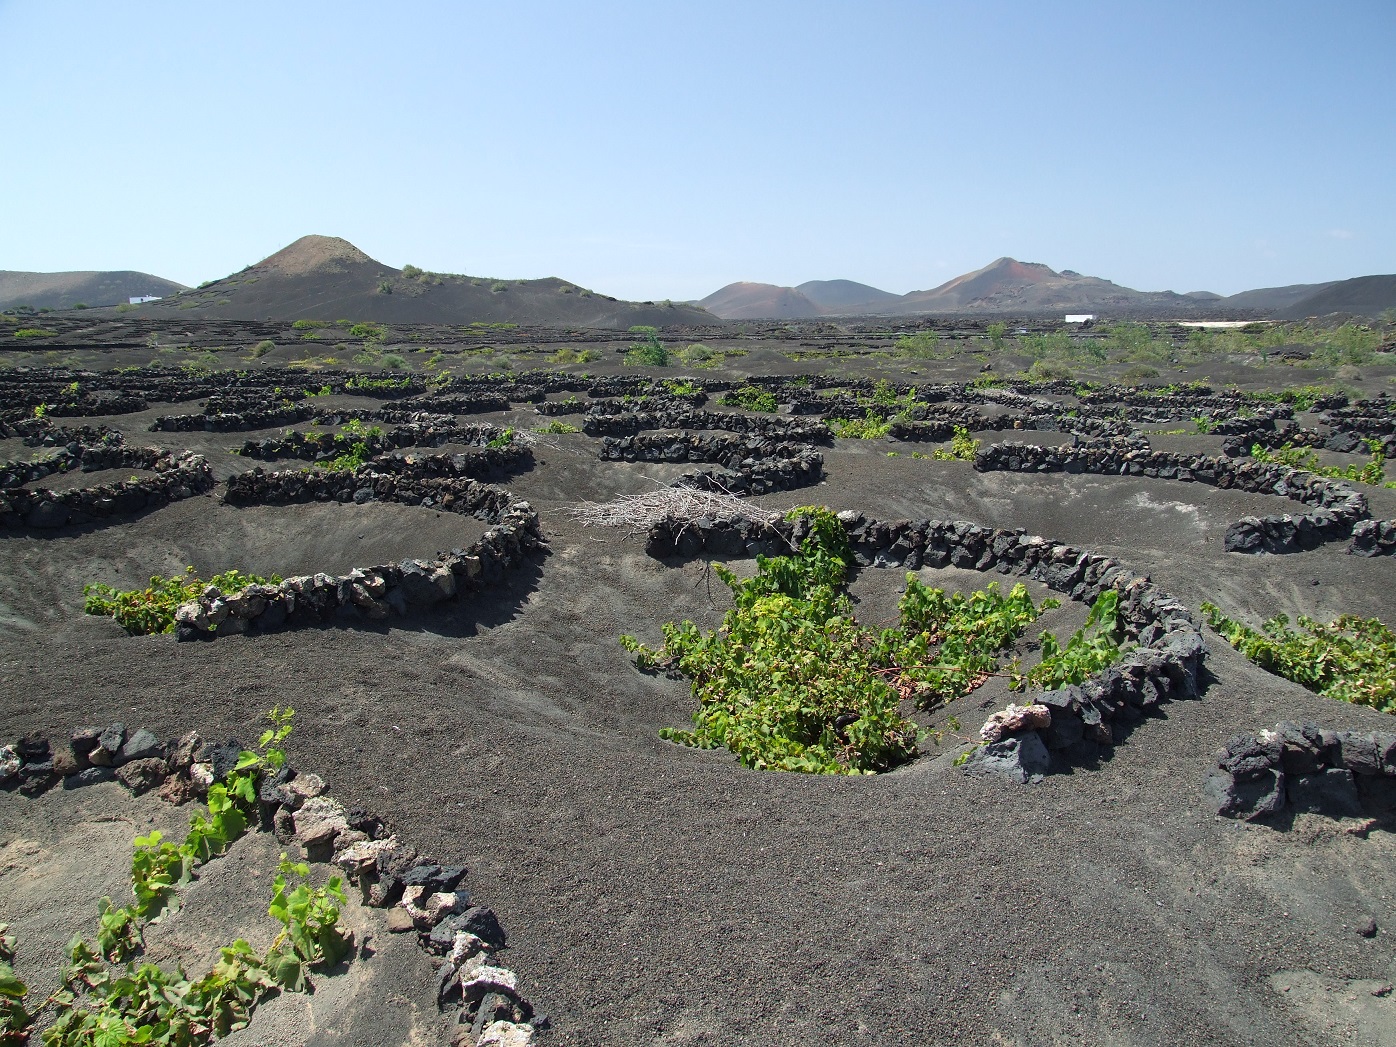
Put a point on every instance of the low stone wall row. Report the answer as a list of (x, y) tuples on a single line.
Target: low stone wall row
[(218, 421), (423, 896), (375, 592), (767, 427), (319, 446), (1303, 768), (753, 465), (108, 455), (182, 475), (1337, 506), (1077, 722)]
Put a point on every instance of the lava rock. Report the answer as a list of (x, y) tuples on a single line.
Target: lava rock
[(140, 776), (1332, 792), (1020, 758), (90, 776), (1249, 798), (141, 745)]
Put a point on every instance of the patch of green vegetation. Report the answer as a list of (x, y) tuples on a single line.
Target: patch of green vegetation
[(963, 447), (369, 332), (792, 681), (556, 427), (648, 351), (1137, 374), (309, 325), (1351, 659), (1301, 397), (996, 332), (384, 287), (152, 610), (989, 380), (1095, 646), (364, 383), (1050, 371), (921, 345), (870, 427), (503, 440), (676, 387), (101, 1003), (498, 286), (35, 332), (752, 398), (263, 347), (568, 355), (1372, 473)]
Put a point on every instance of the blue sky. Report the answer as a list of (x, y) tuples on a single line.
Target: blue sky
[(661, 150)]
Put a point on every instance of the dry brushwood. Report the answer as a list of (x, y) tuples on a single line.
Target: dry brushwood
[(681, 507)]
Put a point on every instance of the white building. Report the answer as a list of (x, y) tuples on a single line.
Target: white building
[(140, 299), (1071, 318)]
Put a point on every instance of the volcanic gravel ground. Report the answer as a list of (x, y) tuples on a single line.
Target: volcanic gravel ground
[(660, 895)]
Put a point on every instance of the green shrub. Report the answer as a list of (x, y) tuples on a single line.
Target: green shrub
[(98, 1003), (1049, 371), (568, 355), (393, 361), (922, 345), (1351, 659), (35, 332), (681, 388), (385, 288), (498, 286), (792, 681), (1095, 646), (368, 331), (752, 398), (503, 440), (1139, 373), (963, 447), (151, 610), (263, 347), (869, 428), (996, 331), (556, 427), (308, 325), (125, 307)]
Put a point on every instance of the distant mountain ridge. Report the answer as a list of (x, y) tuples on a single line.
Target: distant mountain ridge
[(328, 278), (91, 288), (1008, 286), (1368, 296)]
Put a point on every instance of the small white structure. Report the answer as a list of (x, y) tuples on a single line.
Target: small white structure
[(1079, 318), (142, 299)]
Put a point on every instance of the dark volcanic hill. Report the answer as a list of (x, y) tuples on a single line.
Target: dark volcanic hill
[(65, 290), (1004, 286), (1363, 296), (1273, 298), (327, 278), (748, 301), (1007, 285), (845, 296)]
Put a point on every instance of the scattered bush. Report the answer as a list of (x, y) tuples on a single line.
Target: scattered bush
[(393, 361), (752, 398), (792, 681), (498, 286), (152, 610), (869, 428), (556, 427), (125, 307), (1093, 647), (963, 447), (1373, 473), (1352, 659), (263, 347), (923, 345), (35, 332), (385, 288), (1138, 373), (98, 1004), (568, 355), (996, 331)]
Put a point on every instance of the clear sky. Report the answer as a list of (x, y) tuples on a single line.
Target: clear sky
[(661, 150)]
